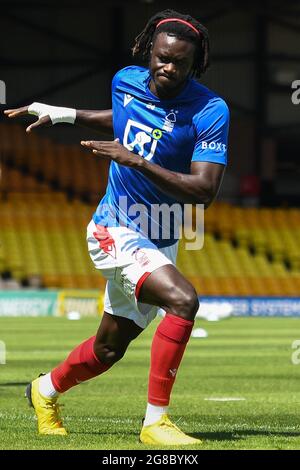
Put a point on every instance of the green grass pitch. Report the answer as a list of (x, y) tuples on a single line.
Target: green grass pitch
[(246, 358)]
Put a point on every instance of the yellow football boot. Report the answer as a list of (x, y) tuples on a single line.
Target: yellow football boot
[(165, 433), (46, 410)]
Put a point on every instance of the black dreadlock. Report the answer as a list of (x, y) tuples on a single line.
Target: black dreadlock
[(146, 38)]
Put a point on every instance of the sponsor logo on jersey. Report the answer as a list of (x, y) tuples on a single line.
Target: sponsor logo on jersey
[(157, 134), (218, 146), (141, 139)]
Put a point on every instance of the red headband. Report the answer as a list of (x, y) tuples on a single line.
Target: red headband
[(179, 21)]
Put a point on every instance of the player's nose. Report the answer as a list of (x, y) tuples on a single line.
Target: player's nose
[(169, 69)]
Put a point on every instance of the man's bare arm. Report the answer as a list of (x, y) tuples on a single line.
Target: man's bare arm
[(98, 120), (198, 187), (50, 115)]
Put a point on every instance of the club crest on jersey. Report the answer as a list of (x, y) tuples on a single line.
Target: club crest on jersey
[(127, 99), (141, 139), (170, 121)]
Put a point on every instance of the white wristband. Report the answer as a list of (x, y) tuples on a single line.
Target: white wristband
[(56, 113)]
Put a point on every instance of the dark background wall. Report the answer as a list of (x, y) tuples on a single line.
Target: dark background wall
[(66, 52)]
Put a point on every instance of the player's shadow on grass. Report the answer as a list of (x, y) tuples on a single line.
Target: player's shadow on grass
[(241, 434), (206, 436)]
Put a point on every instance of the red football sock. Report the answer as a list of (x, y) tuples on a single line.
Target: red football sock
[(168, 346), (81, 364)]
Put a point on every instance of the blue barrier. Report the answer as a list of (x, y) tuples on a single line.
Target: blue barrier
[(257, 306)]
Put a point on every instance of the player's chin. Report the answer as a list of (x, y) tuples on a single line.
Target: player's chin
[(164, 83)]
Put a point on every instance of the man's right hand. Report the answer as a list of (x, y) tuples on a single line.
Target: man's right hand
[(47, 115)]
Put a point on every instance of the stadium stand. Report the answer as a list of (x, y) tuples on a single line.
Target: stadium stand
[(247, 251), (44, 211), (50, 163)]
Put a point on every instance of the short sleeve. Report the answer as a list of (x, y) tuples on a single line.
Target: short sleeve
[(211, 127), (125, 75)]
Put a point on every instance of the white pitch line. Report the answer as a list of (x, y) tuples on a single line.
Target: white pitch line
[(225, 399)]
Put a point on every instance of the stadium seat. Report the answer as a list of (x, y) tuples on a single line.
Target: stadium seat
[(247, 251)]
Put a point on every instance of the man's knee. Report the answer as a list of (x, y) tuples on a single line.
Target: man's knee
[(108, 354), (183, 301)]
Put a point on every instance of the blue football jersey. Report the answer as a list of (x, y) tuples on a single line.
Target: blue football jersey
[(192, 127)]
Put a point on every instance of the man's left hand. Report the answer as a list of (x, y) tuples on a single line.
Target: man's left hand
[(112, 150)]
